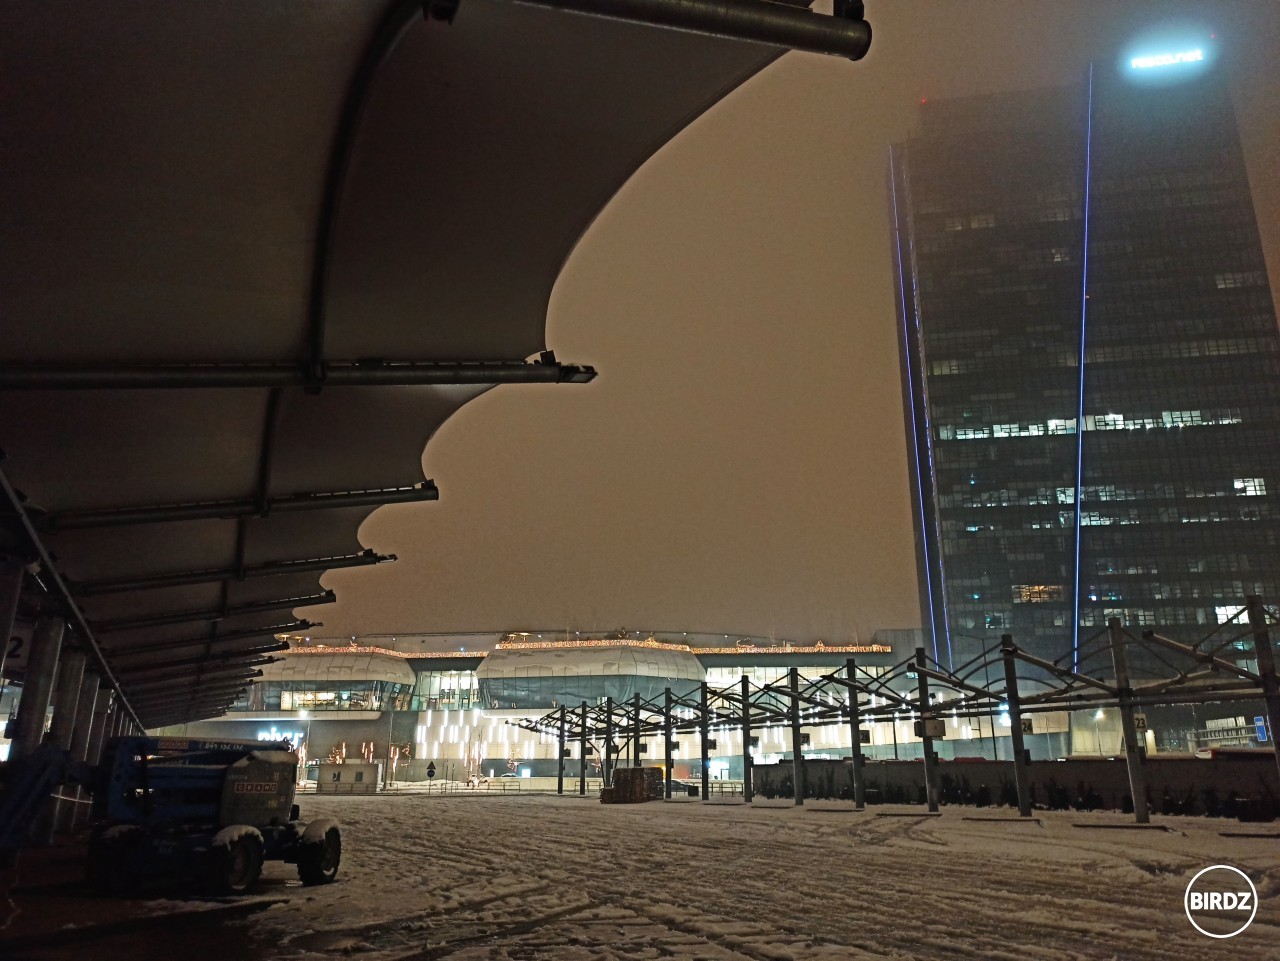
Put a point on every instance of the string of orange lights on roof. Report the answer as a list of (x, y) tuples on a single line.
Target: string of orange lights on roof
[(300, 646), (595, 642)]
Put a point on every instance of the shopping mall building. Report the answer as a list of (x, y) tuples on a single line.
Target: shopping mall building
[(457, 701)]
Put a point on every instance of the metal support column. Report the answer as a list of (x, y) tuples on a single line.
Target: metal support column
[(666, 742), (747, 763), (797, 760), (926, 715), (1021, 776), (1133, 750), (635, 727), (607, 764), (855, 738), (560, 754), (582, 752), (33, 705), (704, 725), (1266, 658)]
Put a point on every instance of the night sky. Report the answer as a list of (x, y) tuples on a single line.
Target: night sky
[(739, 466)]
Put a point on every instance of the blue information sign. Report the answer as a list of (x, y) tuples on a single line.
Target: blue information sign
[(1260, 724)]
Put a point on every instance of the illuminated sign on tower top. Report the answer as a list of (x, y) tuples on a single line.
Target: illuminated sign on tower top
[(1167, 59)]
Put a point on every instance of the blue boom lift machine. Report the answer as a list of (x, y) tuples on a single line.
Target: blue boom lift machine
[(212, 810)]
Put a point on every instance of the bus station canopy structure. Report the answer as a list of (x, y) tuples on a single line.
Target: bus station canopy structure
[(255, 253)]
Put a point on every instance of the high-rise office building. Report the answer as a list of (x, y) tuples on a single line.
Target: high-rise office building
[(1091, 364)]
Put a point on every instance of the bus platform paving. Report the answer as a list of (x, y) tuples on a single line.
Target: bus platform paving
[(49, 912)]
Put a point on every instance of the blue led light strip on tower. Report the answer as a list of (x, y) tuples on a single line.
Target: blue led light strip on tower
[(915, 434), (1084, 312)]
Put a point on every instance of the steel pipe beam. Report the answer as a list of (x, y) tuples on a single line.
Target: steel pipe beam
[(219, 510), (336, 374), (216, 675), (216, 614), (162, 701), (145, 649), (269, 569), (757, 21), (131, 671), (218, 649), (220, 688), (172, 717), (50, 571)]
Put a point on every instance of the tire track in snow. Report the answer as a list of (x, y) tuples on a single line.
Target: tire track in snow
[(690, 881)]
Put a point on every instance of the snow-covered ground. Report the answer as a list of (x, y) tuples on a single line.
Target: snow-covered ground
[(526, 877)]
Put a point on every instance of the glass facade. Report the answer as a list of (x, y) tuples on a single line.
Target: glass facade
[(1090, 361), (343, 695), (540, 692), (447, 690)]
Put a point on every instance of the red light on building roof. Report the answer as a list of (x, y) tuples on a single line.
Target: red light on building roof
[(924, 99)]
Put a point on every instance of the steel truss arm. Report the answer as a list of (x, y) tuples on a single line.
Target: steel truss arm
[(954, 682), (1082, 702), (1216, 662), (860, 687), (1063, 673)]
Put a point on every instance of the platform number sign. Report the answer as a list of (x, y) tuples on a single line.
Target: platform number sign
[(17, 648), (1027, 726), (1140, 722)]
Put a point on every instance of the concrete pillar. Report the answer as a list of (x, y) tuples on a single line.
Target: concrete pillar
[(98, 733), (36, 688), (82, 729), (70, 814), (65, 698), (99, 719)]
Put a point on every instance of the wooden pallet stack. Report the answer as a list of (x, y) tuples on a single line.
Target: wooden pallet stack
[(631, 785)]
